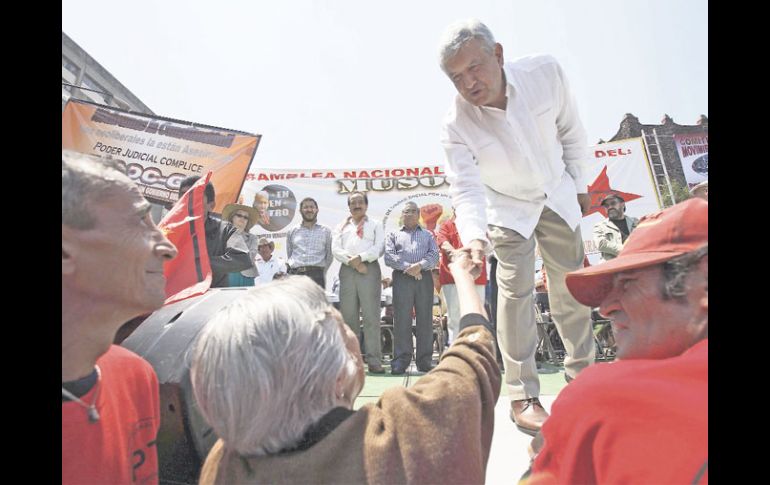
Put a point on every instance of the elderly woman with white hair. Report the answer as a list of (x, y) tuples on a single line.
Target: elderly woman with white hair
[(276, 372)]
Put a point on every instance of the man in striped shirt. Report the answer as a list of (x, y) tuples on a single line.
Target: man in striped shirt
[(412, 253), (309, 245)]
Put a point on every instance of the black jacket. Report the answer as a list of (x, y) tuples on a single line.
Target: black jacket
[(227, 254)]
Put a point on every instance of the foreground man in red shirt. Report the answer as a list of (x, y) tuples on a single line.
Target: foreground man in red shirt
[(112, 271), (642, 419)]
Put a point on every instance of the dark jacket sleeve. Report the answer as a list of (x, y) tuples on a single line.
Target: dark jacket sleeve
[(471, 319), (235, 256)]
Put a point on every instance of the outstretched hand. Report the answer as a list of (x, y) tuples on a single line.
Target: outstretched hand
[(464, 271), (477, 249), (462, 263)]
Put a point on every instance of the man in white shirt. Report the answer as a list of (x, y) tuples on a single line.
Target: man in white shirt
[(516, 146), (267, 265), (357, 243)]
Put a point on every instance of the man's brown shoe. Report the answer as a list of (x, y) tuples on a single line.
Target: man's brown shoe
[(528, 415), (376, 369)]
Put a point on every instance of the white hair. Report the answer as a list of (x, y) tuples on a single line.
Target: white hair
[(458, 33), (264, 368)]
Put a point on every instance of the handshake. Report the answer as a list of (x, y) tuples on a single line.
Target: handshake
[(465, 261)]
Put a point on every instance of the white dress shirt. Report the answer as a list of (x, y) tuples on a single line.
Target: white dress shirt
[(346, 244), (516, 161), (267, 269)]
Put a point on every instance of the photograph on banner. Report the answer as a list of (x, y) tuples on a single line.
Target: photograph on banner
[(159, 153), (693, 151), (619, 167), (277, 194)]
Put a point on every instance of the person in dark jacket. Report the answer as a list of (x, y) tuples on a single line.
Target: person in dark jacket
[(228, 252)]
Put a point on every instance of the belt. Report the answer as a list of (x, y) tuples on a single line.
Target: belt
[(305, 269)]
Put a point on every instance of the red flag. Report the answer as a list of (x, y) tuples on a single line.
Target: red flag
[(189, 274)]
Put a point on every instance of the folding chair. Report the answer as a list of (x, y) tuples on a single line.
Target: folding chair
[(603, 337), (549, 345)]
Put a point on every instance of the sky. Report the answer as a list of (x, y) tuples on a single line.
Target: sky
[(355, 83)]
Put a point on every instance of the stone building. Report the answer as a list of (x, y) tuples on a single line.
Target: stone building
[(661, 148), (84, 78)]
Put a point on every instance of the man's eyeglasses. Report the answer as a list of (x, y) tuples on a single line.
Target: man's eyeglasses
[(242, 216)]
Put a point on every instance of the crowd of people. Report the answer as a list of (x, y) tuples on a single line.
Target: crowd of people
[(277, 371)]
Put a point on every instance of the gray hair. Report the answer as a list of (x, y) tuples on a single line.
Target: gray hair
[(457, 34), (675, 272), (264, 368), (86, 179), (412, 204)]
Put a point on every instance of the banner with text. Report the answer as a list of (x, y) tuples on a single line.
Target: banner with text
[(693, 151), (618, 167), (387, 189), (159, 152)]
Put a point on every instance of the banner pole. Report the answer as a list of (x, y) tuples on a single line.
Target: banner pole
[(663, 163)]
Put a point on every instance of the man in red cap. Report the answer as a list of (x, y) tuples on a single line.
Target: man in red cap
[(642, 419)]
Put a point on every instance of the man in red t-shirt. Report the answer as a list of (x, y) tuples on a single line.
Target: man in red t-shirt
[(448, 240), (112, 271), (643, 418)]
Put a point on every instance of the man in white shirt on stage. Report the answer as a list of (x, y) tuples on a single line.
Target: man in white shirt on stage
[(357, 243), (515, 146), (267, 265)]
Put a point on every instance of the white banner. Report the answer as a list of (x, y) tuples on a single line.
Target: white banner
[(618, 166), (693, 151), (387, 189)]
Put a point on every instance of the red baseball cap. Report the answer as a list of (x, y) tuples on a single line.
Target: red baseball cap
[(660, 236)]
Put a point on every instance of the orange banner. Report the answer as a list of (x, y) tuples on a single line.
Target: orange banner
[(160, 152)]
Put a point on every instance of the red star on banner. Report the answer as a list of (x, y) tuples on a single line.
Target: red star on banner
[(599, 189)]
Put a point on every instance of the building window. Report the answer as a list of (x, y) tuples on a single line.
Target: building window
[(99, 94), (70, 66), (88, 82)]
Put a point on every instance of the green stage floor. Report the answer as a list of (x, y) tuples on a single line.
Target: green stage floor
[(551, 382), (508, 458)]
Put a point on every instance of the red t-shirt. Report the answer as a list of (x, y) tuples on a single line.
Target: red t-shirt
[(448, 232), (120, 446), (634, 421)]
